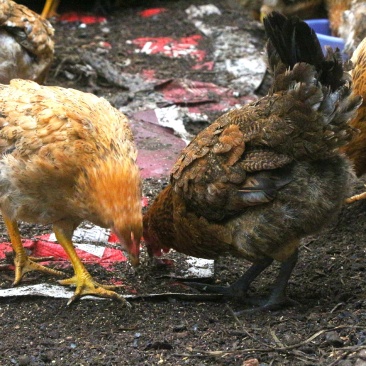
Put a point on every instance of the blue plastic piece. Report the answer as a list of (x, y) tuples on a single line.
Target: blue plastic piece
[(322, 29)]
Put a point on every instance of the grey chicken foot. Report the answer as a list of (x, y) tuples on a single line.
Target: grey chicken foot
[(238, 290)]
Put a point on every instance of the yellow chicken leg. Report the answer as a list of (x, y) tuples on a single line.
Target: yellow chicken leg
[(356, 197), (50, 8), (82, 279), (23, 263)]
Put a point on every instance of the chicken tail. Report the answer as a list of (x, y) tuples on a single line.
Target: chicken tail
[(292, 41), (315, 91)]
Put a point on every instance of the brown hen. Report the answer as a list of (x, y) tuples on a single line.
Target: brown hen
[(67, 156), (26, 43), (265, 175)]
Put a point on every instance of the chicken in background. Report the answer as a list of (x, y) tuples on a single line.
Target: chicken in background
[(98, 6), (26, 43), (67, 156), (335, 10), (304, 9), (353, 26), (50, 8), (253, 7), (356, 148), (263, 176)]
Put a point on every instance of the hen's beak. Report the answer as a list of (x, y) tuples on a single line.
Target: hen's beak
[(131, 245), (134, 252)]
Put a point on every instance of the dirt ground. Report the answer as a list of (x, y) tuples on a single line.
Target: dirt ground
[(327, 327)]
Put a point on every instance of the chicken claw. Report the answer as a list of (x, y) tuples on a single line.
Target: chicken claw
[(85, 285), (22, 262), (82, 279)]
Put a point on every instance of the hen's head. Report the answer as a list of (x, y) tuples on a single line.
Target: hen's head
[(109, 193), (128, 228), (151, 239)]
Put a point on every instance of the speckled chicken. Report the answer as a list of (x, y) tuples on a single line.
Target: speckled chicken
[(263, 176), (50, 6), (67, 156), (26, 43), (356, 148), (335, 11), (353, 26)]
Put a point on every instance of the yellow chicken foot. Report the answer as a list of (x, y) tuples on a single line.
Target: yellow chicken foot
[(22, 262), (85, 285), (41, 259), (50, 8), (357, 197), (82, 280)]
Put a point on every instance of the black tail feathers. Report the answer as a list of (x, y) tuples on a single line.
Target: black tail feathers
[(293, 41)]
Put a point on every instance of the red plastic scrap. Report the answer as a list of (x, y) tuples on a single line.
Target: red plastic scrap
[(74, 17), (151, 12), (186, 91), (200, 96), (208, 66), (104, 44), (43, 247), (170, 47), (149, 74), (158, 147)]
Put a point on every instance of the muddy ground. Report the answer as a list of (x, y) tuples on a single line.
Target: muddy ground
[(327, 327)]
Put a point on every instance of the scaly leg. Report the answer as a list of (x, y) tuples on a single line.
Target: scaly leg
[(50, 8), (278, 298), (239, 288), (23, 263), (82, 279)]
